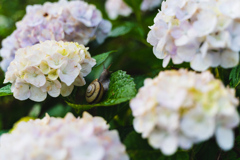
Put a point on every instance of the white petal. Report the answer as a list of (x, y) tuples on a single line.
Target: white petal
[(166, 61), (66, 90), (37, 95), (229, 59), (169, 145), (199, 64), (79, 81), (225, 138), (21, 91)]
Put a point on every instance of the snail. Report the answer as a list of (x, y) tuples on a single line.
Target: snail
[(98, 87)]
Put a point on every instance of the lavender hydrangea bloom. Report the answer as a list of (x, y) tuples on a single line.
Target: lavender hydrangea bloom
[(75, 21)]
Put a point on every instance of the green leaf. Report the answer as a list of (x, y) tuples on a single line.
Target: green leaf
[(121, 89), (35, 111), (135, 5), (235, 77), (101, 58), (122, 29), (6, 90), (3, 131), (108, 113), (58, 111)]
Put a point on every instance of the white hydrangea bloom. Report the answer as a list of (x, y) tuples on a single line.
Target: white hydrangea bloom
[(181, 108), (117, 8), (68, 138), (205, 33), (74, 21), (48, 67)]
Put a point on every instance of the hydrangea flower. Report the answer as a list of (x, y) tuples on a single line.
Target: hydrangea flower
[(181, 108), (68, 138), (48, 67), (74, 21), (203, 32), (117, 8)]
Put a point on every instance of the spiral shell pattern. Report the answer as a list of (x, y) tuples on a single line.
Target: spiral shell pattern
[(94, 92)]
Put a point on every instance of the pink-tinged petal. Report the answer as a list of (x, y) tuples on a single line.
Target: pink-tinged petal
[(159, 29), (37, 95), (225, 138), (79, 81), (229, 59), (200, 64), (187, 11), (52, 87), (66, 90), (68, 73), (166, 61), (34, 76), (152, 39), (187, 52), (21, 91), (56, 60)]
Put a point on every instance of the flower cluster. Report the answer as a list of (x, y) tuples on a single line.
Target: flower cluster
[(65, 20), (115, 8), (205, 33), (70, 138), (48, 67), (180, 108)]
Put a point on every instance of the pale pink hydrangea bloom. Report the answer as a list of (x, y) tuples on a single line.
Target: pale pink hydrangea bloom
[(68, 138), (202, 32), (75, 21), (48, 67), (181, 108)]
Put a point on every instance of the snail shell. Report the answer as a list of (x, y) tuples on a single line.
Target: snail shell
[(94, 92)]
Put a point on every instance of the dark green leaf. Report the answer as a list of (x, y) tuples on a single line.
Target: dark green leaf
[(35, 111), (58, 111), (235, 77), (121, 89), (3, 131), (135, 5), (230, 155), (108, 113), (6, 90), (101, 58), (122, 29)]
